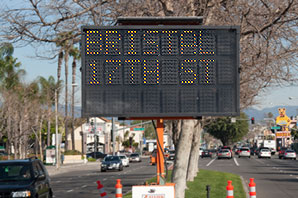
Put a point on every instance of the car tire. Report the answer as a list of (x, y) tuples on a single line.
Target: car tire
[(103, 170), (239, 157), (248, 156)]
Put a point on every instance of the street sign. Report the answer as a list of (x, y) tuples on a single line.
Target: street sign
[(139, 129), (160, 71), (275, 127)]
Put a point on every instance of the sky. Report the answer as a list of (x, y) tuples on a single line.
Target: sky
[(277, 96)]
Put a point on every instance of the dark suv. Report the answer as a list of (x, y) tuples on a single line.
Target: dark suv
[(24, 178)]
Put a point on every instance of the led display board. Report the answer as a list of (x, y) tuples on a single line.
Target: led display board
[(160, 71)]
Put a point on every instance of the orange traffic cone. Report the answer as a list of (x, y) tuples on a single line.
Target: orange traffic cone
[(101, 190), (230, 190), (252, 188), (118, 187)]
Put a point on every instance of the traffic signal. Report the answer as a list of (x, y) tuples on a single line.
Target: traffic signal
[(252, 120)]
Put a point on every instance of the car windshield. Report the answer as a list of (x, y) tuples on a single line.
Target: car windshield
[(122, 157), (290, 151), (172, 152), (111, 158), (134, 155), (14, 172)]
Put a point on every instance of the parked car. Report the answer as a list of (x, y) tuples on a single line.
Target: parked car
[(111, 162), (264, 153), (244, 152), (96, 155), (206, 153), (289, 154), (224, 153), (135, 157), (24, 178), (281, 152), (200, 152), (125, 160), (172, 155)]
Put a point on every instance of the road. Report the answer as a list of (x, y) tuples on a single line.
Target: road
[(274, 178), (82, 182)]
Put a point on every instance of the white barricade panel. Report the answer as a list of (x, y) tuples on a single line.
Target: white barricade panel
[(153, 192)]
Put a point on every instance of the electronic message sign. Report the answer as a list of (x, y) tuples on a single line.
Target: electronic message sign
[(160, 71)]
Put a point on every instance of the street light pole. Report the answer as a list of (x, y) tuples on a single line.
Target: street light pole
[(56, 134)]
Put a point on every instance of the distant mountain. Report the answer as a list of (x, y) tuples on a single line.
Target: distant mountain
[(261, 114)]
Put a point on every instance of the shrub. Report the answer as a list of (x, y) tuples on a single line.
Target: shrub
[(72, 152), (90, 159)]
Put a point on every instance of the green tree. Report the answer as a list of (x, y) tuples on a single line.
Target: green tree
[(48, 88), (228, 132)]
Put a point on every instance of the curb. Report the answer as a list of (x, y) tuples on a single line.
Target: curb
[(245, 186)]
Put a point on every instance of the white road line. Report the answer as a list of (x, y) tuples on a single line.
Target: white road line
[(69, 191), (104, 179), (58, 181), (296, 177), (210, 162), (235, 161), (84, 186), (291, 175)]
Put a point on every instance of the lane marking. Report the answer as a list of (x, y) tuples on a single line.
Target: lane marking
[(211, 162), (235, 161), (104, 179), (69, 191), (84, 186)]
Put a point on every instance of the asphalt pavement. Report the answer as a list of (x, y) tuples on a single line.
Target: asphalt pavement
[(274, 178), (79, 180)]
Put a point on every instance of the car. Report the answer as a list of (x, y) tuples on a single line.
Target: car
[(264, 153), (289, 154), (228, 147), (200, 152), (237, 151), (253, 151), (224, 153), (24, 178), (172, 155), (111, 162), (96, 155), (206, 153), (281, 152), (125, 160), (244, 152), (135, 157)]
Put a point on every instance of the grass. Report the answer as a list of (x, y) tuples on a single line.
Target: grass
[(216, 180)]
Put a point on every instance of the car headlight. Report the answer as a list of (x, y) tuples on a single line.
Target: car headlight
[(21, 194), (103, 165)]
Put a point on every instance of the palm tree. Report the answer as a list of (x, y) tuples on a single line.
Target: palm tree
[(65, 46), (48, 88), (75, 53)]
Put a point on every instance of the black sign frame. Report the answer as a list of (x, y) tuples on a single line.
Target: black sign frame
[(216, 99)]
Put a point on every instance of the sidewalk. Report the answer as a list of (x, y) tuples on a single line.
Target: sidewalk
[(64, 168)]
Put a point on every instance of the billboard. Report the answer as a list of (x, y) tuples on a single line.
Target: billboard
[(160, 71)]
